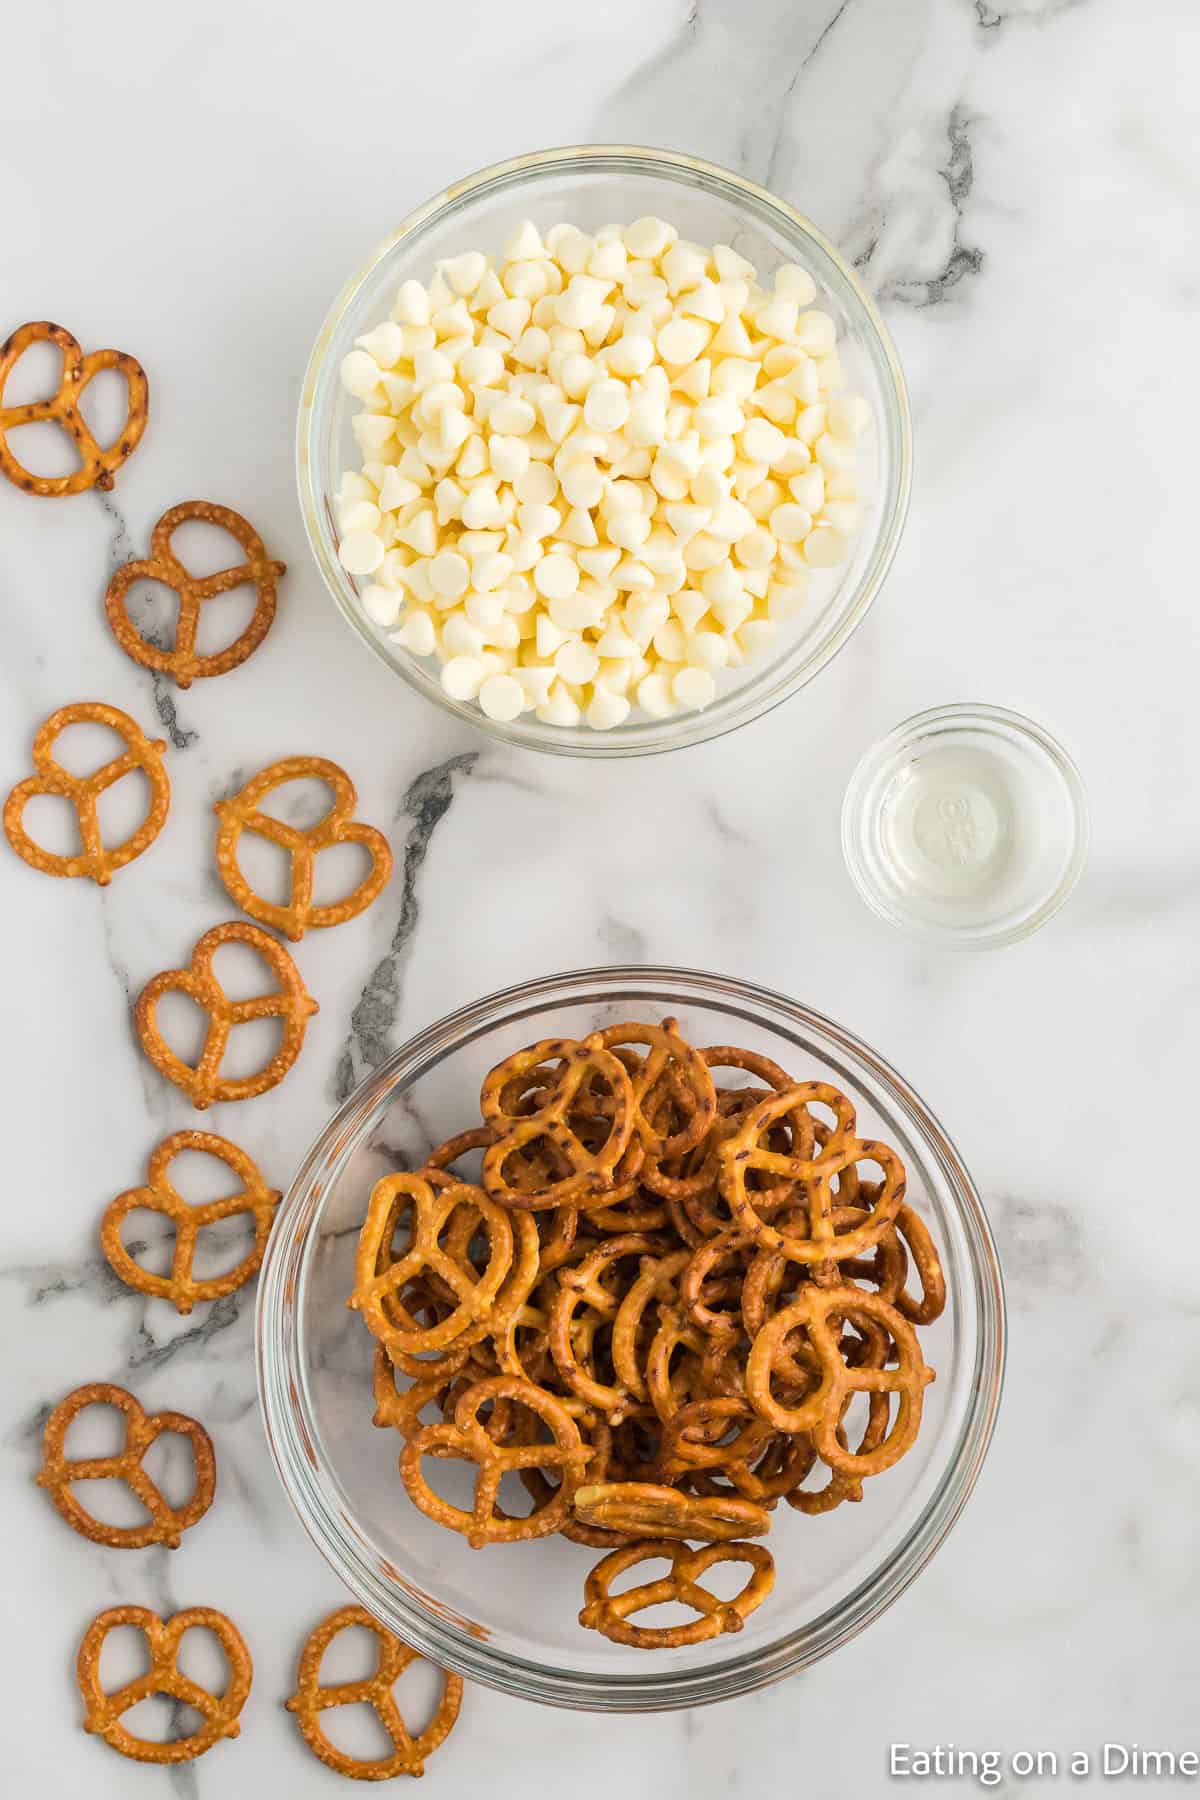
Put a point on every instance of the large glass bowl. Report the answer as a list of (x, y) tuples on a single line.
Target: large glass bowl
[(507, 1615), (590, 186)]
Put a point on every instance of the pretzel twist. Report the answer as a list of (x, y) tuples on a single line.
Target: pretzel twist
[(466, 1439), (102, 1711), (582, 1286), (94, 858), (380, 1281), (609, 1613), (166, 1523), (290, 1001), (338, 826), (98, 464), (312, 1698), (160, 1195), (841, 1153), (182, 661), (591, 1172), (821, 1412), (648, 1511)]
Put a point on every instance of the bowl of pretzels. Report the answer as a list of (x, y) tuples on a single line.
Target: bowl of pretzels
[(630, 1339)]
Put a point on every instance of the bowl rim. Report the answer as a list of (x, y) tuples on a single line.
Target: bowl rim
[(963, 715), (280, 1380), (681, 731)]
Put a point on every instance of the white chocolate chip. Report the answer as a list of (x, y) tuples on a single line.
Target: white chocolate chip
[(449, 574), (816, 333), (694, 688), (556, 576), (360, 374), (381, 605), (824, 548), (462, 677), (502, 697), (576, 662), (607, 709), (416, 633), (848, 416), (789, 522), (361, 552)]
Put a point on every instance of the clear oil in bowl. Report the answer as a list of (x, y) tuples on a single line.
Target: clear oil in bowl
[(965, 824)]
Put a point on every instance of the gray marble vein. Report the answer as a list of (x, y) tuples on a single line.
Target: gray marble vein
[(370, 1042)]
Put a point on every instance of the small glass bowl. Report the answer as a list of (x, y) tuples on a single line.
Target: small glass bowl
[(589, 186), (508, 1616), (966, 826)]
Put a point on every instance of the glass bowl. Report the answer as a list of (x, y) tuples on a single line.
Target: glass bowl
[(590, 186), (508, 1615), (966, 826)]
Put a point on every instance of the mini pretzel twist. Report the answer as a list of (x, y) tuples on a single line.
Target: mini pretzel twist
[(671, 1068), (166, 1523), (592, 1172), (646, 1510), (338, 826), (379, 1282), (182, 661), (608, 1613), (821, 1411), (160, 1195), (839, 1155), (582, 1286), (697, 1437), (311, 1699), (97, 465), (290, 1001), (94, 859), (102, 1712), (467, 1439)]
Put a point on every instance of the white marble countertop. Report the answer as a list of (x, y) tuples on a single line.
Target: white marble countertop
[(1018, 179)]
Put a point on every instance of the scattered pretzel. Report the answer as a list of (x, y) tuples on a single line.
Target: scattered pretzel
[(607, 1613), (166, 1523), (183, 661), (647, 1511), (94, 859), (97, 465), (181, 1287), (311, 1699), (290, 1001), (102, 1712), (338, 826), (700, 1281)]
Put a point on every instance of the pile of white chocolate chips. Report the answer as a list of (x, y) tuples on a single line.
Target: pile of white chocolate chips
[(597, 472)]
